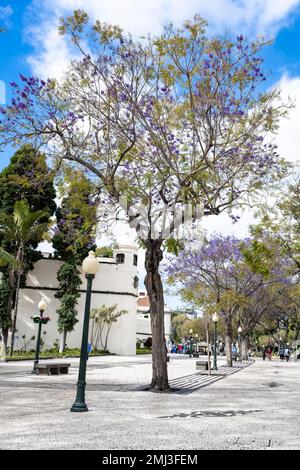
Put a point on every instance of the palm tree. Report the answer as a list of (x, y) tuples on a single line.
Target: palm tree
[(6, 259), (20, 228)]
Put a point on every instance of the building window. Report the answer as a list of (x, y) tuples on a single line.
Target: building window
[(135, 260), (120, 258), (136, 282)]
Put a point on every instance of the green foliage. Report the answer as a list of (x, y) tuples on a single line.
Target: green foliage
[(258, 257), (5, 314), (104, 252), (68, 293), (27, 177), (5, 258), (53, 353), (198, 325), (178, 321), (24, 225), (73, 24), (20, 228), (76, 218), (173, 246)]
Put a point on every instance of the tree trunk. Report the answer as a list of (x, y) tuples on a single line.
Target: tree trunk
[(4, 335), (155, 292), (244, 348), (228, 341), (14, 323), (62, 345)]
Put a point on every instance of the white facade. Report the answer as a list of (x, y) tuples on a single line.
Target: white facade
[(113, 284), (143, 321)]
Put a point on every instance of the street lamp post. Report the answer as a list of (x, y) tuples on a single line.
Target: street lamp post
[(90, 267), (240, 331), (191, 341), (279, 345), (215, 319), (196, 341), (42, 305)]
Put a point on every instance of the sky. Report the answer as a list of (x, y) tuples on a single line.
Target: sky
[(31, 45)]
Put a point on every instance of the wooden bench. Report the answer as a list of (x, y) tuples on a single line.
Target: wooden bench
[(202, 365), (52, 368)]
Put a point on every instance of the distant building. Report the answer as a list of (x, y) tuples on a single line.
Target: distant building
[(143, 323)]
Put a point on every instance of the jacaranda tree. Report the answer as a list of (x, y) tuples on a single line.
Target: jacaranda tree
[(240, 279), (170, 122)]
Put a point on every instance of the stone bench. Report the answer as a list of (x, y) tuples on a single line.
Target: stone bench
[(52, 368), (202, 365)]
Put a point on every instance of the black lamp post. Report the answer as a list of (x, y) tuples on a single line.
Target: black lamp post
[(196, 341), (279, 345), (191, 341), (40, 320), (215, 319), (240, 331), (90, 267)]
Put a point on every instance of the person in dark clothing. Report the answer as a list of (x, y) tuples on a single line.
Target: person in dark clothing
[(287, 354), (281, 354)]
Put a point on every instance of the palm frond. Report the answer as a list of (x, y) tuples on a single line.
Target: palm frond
[(6, 258)]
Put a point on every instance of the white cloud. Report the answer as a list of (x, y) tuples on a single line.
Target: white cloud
[(289, 131), (5, 13), (52, 54)]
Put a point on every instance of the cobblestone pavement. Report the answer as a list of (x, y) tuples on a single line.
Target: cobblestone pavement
[(256, 408)]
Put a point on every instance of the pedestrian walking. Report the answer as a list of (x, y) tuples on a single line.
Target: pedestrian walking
[(234, 352), (281, 354), (287, 354)]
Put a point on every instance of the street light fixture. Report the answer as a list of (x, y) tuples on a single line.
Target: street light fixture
[(215, 319), (90, 267), (42, 305)]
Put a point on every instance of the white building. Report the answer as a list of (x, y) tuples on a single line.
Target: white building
[(116, 283), (143, 323)]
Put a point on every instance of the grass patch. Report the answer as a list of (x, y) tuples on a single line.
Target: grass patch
[(143, 351), (52, 354)]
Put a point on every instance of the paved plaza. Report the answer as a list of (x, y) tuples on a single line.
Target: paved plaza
[(256, 407)]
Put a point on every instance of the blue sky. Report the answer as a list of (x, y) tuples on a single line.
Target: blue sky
[(31, 45)]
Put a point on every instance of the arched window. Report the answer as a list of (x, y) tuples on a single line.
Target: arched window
[(136, 282), (120, 258)]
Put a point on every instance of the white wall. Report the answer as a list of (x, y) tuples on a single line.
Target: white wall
[(116, 285), (143, 326)]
